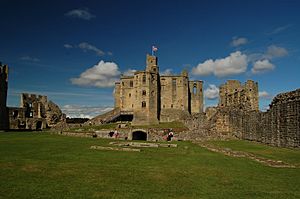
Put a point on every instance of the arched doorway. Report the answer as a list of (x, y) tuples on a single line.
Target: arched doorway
[(39, 125), (139, 135)]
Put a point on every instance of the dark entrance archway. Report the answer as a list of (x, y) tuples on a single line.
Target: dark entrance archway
[(39, 125), (139, 135)]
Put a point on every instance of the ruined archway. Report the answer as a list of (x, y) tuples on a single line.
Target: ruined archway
[(139, 135)]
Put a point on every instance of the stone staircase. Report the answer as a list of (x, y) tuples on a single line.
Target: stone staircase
[(106, 117)]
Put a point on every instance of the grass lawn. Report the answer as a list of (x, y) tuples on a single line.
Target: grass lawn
[(40, 165)]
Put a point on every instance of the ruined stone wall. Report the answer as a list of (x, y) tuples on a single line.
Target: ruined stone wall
[(279, 126), (35, 112), (127, 93), (170, 115), (196, 96), (34, 105), (233, 94), (117, 95), (174, 92), (3, 96)]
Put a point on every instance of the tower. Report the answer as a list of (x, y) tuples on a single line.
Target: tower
[(3, 96), (196, 96), (147, 96)]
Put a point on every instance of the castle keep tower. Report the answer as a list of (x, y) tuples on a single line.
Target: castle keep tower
[(3, 96), (146, 110), (150, 98)]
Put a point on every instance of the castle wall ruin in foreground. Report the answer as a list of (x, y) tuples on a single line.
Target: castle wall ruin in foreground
[(278, 126)]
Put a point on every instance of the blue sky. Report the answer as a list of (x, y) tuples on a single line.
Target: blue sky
[(73, 51)]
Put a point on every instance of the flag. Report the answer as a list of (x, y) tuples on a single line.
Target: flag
[(154, 48)]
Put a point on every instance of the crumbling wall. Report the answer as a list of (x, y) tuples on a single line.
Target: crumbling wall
[(234, 94), (170, 115), (279, 126), (35, 113)]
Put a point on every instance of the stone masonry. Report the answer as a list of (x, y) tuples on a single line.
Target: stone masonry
[(279, 126), (3, 96), (152, 98), (35, 112)]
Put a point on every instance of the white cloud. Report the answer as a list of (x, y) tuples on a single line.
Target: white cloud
[(235, 63), (81, 14), (129, 72), (104, 74), (212, 92), (264, 95), (68, 46), (261, 66), (275, 51), (30, 59), (79, 111), (88, 47), (237, 41), (168, 71)]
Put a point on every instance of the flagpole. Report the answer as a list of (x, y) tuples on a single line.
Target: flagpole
[(152, 50)]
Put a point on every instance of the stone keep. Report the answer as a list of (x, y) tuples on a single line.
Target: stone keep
[(152, 98)]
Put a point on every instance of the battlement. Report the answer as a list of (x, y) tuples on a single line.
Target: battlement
[(30, 98)]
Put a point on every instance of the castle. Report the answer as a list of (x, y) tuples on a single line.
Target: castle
[(152, 98)]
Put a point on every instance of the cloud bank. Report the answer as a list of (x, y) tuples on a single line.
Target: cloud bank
[(103, 74), (235, 63)]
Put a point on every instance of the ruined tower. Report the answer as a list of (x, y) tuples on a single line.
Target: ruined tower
[(146, 109), (234, 94), (196, 96), (3, 96)]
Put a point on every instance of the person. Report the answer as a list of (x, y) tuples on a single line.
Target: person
[(170, 135), (116, 134)]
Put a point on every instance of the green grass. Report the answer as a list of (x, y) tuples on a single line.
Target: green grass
[(40, 165), (275, 153)]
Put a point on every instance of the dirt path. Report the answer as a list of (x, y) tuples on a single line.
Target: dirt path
[(242, 154)]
